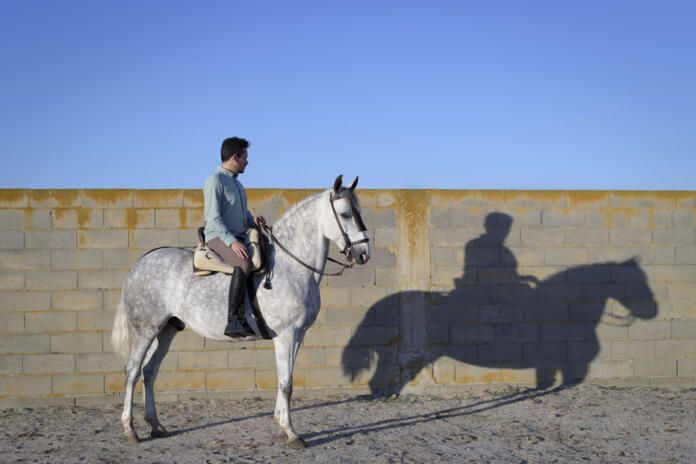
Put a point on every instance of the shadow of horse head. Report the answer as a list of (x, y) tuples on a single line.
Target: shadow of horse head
[(548, 326)]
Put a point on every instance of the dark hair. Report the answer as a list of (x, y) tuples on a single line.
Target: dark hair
[(233, 146)]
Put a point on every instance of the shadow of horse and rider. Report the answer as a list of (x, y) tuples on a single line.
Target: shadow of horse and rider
[(497, 318)]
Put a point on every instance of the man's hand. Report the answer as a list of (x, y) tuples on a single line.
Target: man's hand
[(239, 249), (260, 221)]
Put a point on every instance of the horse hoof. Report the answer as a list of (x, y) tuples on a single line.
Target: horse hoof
[(297, 443), (160, 434), (132, 437)]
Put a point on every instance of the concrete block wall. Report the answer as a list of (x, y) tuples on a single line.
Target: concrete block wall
[(464, 288)]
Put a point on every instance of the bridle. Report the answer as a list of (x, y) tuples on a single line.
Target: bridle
[(349, 244)]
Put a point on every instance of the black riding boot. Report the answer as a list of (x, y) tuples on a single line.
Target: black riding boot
[(236, 324)]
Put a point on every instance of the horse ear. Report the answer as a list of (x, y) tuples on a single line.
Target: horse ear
[(337, 183), (354, 184)]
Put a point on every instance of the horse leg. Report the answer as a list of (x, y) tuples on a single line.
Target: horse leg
[(164, 340), (139, 346), (286, 347)]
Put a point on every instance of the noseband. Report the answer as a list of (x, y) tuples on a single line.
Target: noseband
[(345, 194), (349, 244)]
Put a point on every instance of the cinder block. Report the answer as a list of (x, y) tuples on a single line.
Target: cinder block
[(472, 334), (563, 218), (76, 259), (78, 384), (11, 240), (170, 218), (379, 218), (519, 256), (12, 219), (23, 260), (95, 320), (241, 358), (82, 218), (181, 381), (14, 198), (11, 322), (565, 256), (194, 198), (587, 236), (24, 300), (19, 344), (682, 291), (516, 333), (656, 368), (10, 364), (587, 351), (385, 237), (187, 341), (54, 198), (452, 237), (686, 367), (12, 281), (672, 382), (504, 354), (542, 237), (563, 332), (608, 217), (99, 362), (545, 351), (51, 280), (606, 369), (76, 343), (675, 236), (683, 273), (112, 198), (193, 217), (53, 239), (96, 280), (25, 385), (50, 322), (230, 379), (502, 314), (202, 360), (686, 255), (467, 374), (386, 277), (496, 275), (683, 329), (643, 349), (359, 278), (511, 294), (333, 336), (630, 236), (653, 254), (325, 377), (439, 217), (651, 219), (606, 332), (675, 349), (158, 198), (103, 238), (38, 219), (119, 258), (349, 317), (48, 363), (77, 300), (310, 357), (340, 297), (153, 238), (650, 330)]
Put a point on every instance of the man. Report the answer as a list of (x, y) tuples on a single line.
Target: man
[(227, 220)]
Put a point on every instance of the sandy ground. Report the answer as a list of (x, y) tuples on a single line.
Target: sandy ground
[(580, 424)]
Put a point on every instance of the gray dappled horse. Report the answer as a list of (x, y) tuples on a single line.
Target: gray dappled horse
[(162, 286), (537, 328)]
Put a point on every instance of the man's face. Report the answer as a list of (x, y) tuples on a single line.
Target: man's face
[(241, 161)]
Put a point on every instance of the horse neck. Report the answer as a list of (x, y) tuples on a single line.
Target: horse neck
[(299, 230)]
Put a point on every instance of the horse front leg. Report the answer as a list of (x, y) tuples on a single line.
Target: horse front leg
[(286, 347)]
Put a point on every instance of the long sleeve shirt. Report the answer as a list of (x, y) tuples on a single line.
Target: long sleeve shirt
[(225, 207)]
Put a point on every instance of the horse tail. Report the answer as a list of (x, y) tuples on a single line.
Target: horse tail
[(120, 334)]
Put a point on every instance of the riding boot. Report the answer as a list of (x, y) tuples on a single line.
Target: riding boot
[(236, 324)]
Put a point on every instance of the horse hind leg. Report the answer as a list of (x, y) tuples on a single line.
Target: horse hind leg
[(140, 343), (150, 370)]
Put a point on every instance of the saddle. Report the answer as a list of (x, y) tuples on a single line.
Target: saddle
[(207, 262)]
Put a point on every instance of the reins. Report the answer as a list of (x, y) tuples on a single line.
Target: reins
[(269, 231)]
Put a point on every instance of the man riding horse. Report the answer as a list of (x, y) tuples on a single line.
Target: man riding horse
[(227, 221)]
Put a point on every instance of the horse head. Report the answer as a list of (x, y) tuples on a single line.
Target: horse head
[(637, 296), (343, 223)]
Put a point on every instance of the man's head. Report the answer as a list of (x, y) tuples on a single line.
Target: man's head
[(234, 154)]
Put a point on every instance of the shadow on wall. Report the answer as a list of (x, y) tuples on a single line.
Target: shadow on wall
[(496, 318)]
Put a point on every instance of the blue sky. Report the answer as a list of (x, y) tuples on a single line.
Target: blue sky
[(406, 94)]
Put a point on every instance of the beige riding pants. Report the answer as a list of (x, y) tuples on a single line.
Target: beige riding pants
[(228, 255)]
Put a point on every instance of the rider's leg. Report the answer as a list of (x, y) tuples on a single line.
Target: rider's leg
[(235, 326)]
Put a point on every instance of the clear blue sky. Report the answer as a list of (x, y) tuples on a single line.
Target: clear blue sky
[(406, 94)]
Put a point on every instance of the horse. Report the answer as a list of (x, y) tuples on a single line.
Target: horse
[(549, 326), (161, 291)]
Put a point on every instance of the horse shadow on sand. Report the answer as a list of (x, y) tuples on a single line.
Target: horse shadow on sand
[(497, 318)]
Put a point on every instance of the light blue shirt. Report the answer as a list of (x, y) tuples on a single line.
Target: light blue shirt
[(226, 214)]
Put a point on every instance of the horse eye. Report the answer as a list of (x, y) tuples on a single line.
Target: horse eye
[(345, 215)]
